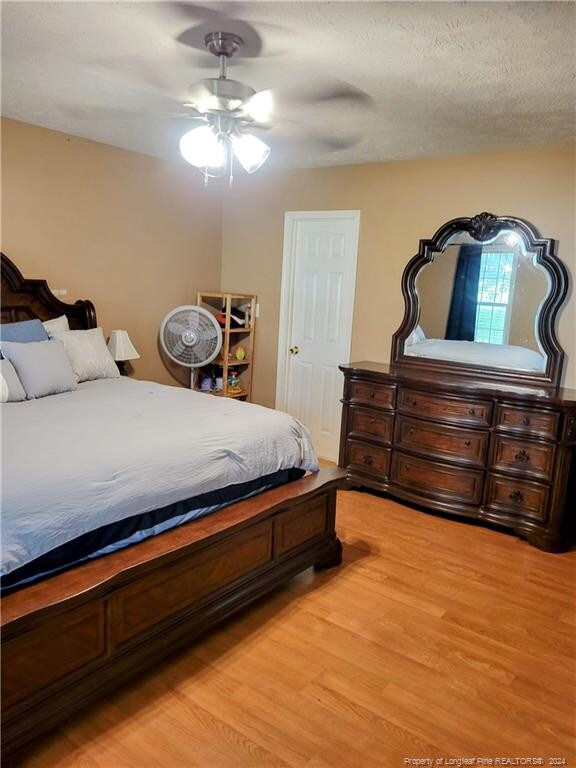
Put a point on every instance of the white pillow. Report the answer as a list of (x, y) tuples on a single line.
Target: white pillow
[(42, 367), (11, 389), (89, 356), (57, 324), (416, 336)]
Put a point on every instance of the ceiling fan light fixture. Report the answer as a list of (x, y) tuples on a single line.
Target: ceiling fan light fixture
[(203, 148), (250, 151), (229, 109)]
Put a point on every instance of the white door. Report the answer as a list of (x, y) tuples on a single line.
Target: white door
[(318, 282)]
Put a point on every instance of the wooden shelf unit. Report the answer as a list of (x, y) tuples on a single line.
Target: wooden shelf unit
[(232, 338)]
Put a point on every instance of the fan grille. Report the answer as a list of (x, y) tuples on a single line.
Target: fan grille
[(191, 336)]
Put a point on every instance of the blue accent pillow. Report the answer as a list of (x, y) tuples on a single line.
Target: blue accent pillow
[(27, 330)]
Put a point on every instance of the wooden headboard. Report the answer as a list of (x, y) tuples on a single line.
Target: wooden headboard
[(24, 299)]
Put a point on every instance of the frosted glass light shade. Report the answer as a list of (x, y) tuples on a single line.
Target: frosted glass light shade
[(120, 346), (202, 148), (251, 152)]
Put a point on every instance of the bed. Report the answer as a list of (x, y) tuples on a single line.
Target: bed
[(493, 355), (188, 525)]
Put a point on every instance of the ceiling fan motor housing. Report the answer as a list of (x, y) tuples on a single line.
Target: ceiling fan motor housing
[(223, 43), (228, 94)]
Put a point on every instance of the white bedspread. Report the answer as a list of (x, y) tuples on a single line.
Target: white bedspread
[(119, 447), (494, 355)]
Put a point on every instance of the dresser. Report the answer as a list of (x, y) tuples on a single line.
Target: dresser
[(501, 454), (469, 418)]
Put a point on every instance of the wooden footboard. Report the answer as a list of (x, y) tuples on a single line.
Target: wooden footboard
[(70, 639)]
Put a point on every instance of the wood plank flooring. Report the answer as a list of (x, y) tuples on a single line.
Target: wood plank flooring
[(435, 639)]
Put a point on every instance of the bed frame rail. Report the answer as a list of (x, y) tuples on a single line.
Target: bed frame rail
[(73, 638)]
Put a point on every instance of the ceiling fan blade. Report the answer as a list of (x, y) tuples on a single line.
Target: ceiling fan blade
[(292, 134), (203, 20), (321, 94), (341, 92), (192, 12), (196, 121), (191, 111), (133, 69), (252, 44), (327, 143), (198, 95)]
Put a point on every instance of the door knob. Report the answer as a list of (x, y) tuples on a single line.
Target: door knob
[(294, 350)]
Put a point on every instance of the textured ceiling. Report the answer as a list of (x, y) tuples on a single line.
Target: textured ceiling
[(445, 77)]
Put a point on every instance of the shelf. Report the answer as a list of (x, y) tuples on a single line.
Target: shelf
[(231, 363), (223, 295), (233, 339), (220, 393)]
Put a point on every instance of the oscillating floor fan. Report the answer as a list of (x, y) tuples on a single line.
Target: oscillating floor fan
[(191, 336)]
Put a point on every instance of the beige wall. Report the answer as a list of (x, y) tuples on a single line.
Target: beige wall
[(400, 202), (529, 291), (135, 234), (435, 285), (140, 235)]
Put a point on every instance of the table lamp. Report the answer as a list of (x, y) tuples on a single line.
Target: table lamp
[(122, 349)]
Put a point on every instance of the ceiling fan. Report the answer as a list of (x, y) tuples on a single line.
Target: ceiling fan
[(227, 108), (231, 112)]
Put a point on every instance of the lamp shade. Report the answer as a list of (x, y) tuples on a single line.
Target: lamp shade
[(203, 148), (250, 151), (120, 346)]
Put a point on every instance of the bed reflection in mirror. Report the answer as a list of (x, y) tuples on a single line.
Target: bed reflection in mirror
[(480, 303)]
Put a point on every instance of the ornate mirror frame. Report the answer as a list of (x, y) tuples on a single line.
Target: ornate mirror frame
[(483, 227)]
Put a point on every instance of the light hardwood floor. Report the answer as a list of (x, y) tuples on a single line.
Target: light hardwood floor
[(433, 639)]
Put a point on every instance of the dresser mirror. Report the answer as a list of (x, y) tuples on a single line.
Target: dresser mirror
[(481, 299)]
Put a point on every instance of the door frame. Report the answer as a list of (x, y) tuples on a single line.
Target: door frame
[(291, 218)]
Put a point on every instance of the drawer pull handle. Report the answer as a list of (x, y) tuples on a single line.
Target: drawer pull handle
[(372, 394), (516, 496), (411, 401), (522, 456), (471, 412), (526, 421), (467, 443), (367, 460), (372, 421)]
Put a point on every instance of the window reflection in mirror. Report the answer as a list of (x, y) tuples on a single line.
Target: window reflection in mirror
[(479, 304)]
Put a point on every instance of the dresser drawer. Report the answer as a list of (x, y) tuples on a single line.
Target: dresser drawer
[(445, 408), (516, 455), (367, 458), (465, 446), (436, 479), (364, 422), (528, 420), (369, 393), (518, 497)]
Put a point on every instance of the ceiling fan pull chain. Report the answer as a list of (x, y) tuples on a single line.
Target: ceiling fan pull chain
[(231, 177)]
